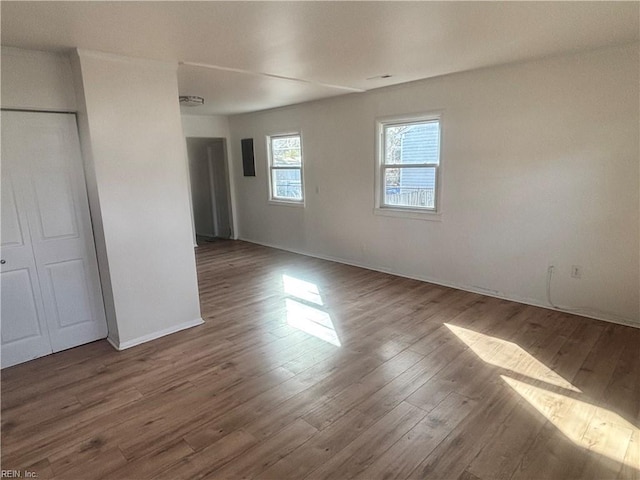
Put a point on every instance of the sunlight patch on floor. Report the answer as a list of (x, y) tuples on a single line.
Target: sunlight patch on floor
[(589, 426), (509, 356), (304, 310), (301, 289), (312, 321)]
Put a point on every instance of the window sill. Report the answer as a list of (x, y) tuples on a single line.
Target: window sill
[(408, 213), (285, 203)]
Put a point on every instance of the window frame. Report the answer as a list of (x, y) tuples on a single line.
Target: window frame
[(380, 207), (281, 200)]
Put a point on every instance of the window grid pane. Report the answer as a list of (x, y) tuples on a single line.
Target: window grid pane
[(286, 151), (286, 183), (286, 168), (409, 160), (410, 187), (412, 143)]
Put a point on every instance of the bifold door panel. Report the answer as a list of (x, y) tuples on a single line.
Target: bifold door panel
[(49, 275)]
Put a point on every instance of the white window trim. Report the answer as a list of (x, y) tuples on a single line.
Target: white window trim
[(282, 201), (434, 214)]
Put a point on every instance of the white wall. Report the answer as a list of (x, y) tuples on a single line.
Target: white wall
[(36, 81), (540, 164), (210, 126), (137, 178)]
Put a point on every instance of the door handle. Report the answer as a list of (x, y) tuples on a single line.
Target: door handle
[(3, 261)]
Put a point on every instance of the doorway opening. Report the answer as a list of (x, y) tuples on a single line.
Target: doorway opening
[(210, 188)]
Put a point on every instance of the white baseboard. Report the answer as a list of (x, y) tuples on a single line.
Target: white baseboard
[(152, 336), (114, 343), (473, 289)]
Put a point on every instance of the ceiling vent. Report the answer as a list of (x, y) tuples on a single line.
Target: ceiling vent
[(191, 100)]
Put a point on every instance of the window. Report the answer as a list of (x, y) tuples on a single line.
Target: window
[(285, 168), (409, 158)]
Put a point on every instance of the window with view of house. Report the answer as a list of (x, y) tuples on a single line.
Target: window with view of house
[(409, 158), (285, 168)]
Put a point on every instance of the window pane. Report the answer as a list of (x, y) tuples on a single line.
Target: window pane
[(286, 152), (287, 184), (410, 187), (412, 143)]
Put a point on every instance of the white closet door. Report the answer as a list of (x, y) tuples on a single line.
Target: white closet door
[(23, 328), (43, 152)]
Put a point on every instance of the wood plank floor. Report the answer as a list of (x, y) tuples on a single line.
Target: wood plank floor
[(308, 369)]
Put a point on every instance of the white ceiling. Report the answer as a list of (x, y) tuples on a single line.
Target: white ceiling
[(322, 48)]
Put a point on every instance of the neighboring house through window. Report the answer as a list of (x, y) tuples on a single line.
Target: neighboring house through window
[(408, 163), (285, 168)]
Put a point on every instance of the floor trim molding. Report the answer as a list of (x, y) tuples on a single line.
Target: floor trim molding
[(152, 336), (466, 288)]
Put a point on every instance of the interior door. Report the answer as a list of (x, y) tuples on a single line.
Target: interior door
[(21, 298), (220, 189), (42, 154)]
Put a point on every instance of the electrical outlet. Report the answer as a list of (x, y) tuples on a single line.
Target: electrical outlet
[(576, 271)]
